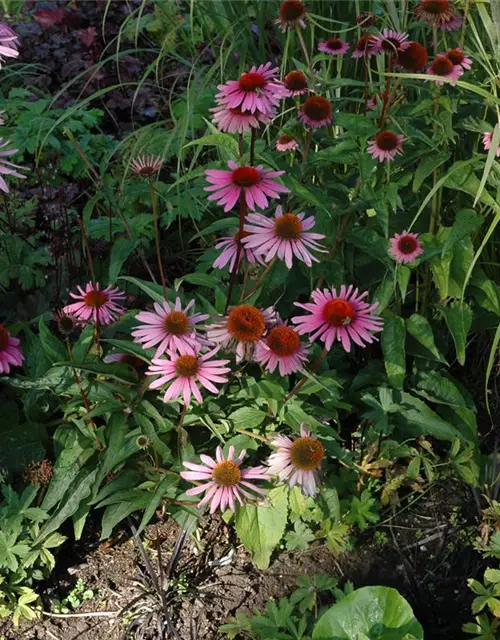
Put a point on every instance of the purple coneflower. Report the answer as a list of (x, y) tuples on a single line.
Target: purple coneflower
[(295, 84), (334, 47), (316, 112), (11, 354), (286, 236), (95, 305), (146, 166), (224, 481), (236, 120), (9, 42), (442, 66), (256, 184), (286, 143), (257, 90), (487, 140), (391, 42), (293, 14), (457, 57), (6, 167), (184, 372), (413, 58), (405, 247), (343, 317), (297, 460), (439, 13), (170, 327), (281, 349), (230, 247), (385, 146), (241, 329), (366, 46)]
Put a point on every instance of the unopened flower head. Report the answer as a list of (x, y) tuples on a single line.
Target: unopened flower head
[(96, 305), (344, 317), (298, 460), (286, 236), (405, 247), (255, 184), (224, 481), (11, 354)]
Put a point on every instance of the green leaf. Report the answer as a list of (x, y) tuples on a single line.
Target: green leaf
[(421, 330), (156, 498), (261, 527), (417, 419), (52, 346), (247, 417), (149, 431), (393, 348), (466, 221), (375, 612), (154, 291), (458, 316), (200, 279), (117, 512), (438, 388), (300, 537), (403, 275), (218, 225), (223, 140), (122, 248), (370, 242), (427, 166)]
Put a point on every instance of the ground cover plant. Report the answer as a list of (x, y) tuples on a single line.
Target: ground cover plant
[(248, 264)]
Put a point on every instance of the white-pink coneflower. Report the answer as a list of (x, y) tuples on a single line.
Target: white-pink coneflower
[(457, 57), (241, 329), (295, 84), (11, 354), (7, 167), (297, 460), (334, 47), (169, 328), (316, 112), (146, 166), (184, 372), (391, 42), (386, 146), (487, 141), (286, 143), (257, 90), (224, 481), (96, 305), (230, 248), (237, 121), (405, 247), (443, 67), (344, 317), (285, 236), (255, 184), (281, 349)]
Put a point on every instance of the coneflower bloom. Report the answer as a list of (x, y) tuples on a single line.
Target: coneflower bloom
[(316, 112), (367, 45), (257, 90), (373, 102), (405, 247), (297, 460), (224, 481), (11, 354), (391, 42), (439, 13), (229, 247), (286, 236), (236, 120), (96, 305), (457, 57), (184, 372), (366, 19), (255, 184), (487, 140), (66, 323), (295, 84), (413, 58), (7, 167), (9, 42), (146, 166), (293, 14), (241, 329), (442, 66), (286, 143), (169, 328), (343, 317), (385, 146), (281, 349), (334, 47)]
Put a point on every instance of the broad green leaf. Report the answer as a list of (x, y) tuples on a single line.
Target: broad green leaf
[(117, 512), (247, 417), (261, 527), (415, 418), (218, 225), (369, 241), (357, 124), (393, 348), (438, 388), (167, 482), (122, 248), (421, 330), (52, 346), (466, 221), (426, 166), (375, 612), (458, 316), (223, 140), (149, 431), (403, 276), (154, 291), (200, 279)]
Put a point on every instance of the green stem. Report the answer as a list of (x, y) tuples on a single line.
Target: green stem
[(305, 378), (304, 49), (154, 206)]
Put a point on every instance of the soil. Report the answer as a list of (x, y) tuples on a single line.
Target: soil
[(425, 551)]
